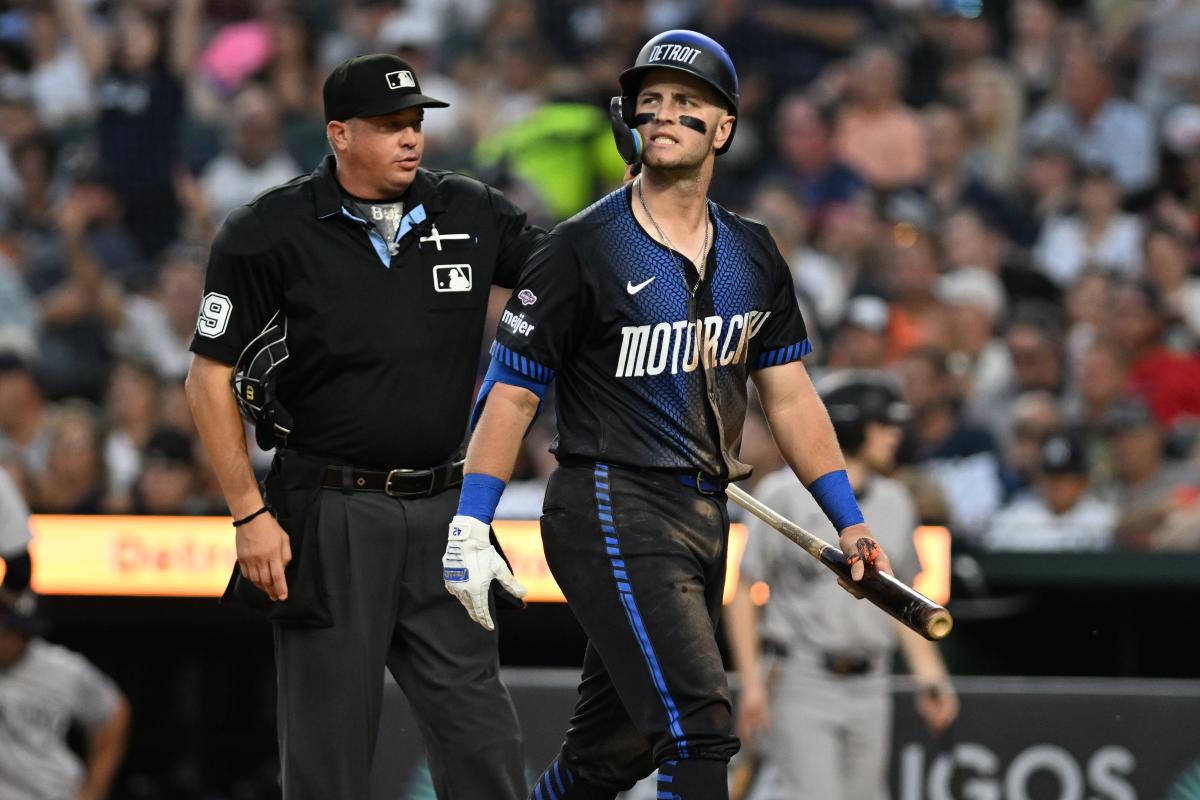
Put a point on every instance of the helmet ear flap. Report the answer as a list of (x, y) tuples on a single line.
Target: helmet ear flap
[(629, 141)]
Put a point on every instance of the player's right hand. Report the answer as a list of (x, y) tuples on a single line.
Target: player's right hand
[(263, 550), (469, 566)]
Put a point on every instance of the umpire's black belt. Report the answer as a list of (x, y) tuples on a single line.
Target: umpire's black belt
[(394, 482)]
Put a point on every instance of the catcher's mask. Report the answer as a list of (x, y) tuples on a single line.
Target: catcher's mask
[(253, 382)]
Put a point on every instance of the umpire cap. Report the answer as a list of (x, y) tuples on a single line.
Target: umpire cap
[(690, 52), (373, 85), (854, 398)]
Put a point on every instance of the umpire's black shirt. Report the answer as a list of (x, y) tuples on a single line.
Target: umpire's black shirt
[(384, 348)]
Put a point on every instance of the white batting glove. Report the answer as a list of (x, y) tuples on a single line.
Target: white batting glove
[(469, 566)]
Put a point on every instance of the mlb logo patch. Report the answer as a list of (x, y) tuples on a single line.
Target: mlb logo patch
[(452, 278), (526, 297), (400, 79)]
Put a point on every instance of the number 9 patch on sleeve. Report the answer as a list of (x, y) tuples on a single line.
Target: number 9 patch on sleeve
[(214, 315)]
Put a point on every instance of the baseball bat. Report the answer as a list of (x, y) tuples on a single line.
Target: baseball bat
[(901, 601)]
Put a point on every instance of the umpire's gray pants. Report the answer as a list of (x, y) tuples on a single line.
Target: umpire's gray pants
[(380, 564)]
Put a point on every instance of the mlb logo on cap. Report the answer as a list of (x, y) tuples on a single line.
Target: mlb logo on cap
[(400, 79)]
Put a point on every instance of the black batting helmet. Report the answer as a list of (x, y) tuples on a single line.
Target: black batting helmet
[(856, 397), (685, 51)]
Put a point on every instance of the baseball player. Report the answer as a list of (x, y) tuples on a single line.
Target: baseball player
[(827, 709), (650, 308), (44, 688)]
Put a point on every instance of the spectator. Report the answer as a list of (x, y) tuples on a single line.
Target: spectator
[(140, 73), (819, 279), (861, 340), (18, 123), (952, 181), (1098, 235), (803, 37), (961, 459), (59, 76), (1036, 418), (976, 303), (1061, 515), (74, 480), (157, 327), (415, 36), (1089, 308), (1155, 494), (1170, 267), (911, 273), (44, 689), (876, 134), (562, 148), (1104, 125), (972, 238), (132, 405), (253, 159), (1034, 51), (24, 419), (1047, 186), (1170, 53), (994, 108), (807, 164), (1100, 382), (168, 479), (1164, 378)]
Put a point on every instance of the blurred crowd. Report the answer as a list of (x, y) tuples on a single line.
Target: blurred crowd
[(998, 203)]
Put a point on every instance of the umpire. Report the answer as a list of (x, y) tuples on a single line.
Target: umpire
[(377, 272)]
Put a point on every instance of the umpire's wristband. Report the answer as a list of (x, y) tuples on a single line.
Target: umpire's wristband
[(835, 497), (237, 523)]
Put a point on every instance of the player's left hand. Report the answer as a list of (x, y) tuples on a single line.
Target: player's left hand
[(862, 550), (469, 566)]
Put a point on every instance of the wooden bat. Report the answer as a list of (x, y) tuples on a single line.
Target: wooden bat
[(901, 601)]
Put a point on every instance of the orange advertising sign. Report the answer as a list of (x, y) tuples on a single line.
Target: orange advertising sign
[(193, 556)]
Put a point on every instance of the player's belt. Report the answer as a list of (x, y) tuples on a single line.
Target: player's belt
[(846, 665), (703, 483), (394, 482)]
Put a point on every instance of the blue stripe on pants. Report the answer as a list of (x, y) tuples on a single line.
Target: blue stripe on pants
[(635, 618)]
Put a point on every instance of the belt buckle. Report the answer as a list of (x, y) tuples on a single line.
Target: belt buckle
[(700, 485), (387, 483)]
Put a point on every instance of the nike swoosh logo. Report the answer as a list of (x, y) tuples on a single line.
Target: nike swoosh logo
[(629, 287)]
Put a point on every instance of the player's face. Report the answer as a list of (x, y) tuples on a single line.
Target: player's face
[(12, 646), (879, 446), (383, 151), (672, 143)]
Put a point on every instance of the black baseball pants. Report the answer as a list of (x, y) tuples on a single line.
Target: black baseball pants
[(375, 562), (641, 560)]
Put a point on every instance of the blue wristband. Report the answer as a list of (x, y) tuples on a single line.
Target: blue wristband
[(480, 496), (833, 493)]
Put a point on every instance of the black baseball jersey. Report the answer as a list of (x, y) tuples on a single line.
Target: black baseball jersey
[(383, 335), (648, 374)]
